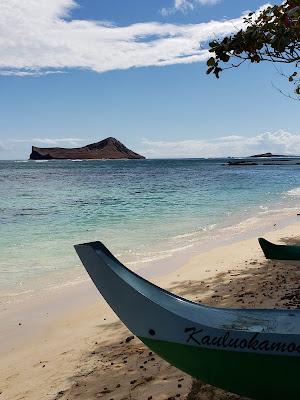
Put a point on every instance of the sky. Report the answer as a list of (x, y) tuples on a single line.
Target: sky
[(73, 72)]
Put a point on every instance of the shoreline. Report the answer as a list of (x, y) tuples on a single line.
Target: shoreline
[(79, 320), (55, 302), (52, 272), (237, 226)]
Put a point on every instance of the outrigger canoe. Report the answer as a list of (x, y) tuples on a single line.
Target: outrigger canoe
[(279, 252), (251, 352)]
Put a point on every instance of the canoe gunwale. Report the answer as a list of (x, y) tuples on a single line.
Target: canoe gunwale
[(240, 320)]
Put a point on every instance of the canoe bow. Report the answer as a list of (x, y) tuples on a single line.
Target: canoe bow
[(278, 251), (255, 353)]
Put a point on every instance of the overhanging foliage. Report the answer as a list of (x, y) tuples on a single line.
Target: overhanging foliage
[(273, 35)]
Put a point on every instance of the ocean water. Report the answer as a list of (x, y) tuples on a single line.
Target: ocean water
[(142, 210)]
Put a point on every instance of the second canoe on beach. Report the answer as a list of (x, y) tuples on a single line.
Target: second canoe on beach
[(279, 252), (254, 353)]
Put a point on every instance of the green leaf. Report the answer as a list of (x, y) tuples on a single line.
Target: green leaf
[(211, 62)]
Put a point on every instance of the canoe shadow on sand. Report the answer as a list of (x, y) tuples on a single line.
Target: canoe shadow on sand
[(291, 240), (122, 368)]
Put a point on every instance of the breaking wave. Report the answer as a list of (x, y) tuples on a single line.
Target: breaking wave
[(294, 192)]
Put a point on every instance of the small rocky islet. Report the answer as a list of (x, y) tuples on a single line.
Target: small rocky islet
[(264, 159), (107, 149)]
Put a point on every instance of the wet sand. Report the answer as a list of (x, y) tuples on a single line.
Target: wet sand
[(89, 354)]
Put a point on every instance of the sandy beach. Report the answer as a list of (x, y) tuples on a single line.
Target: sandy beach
[(82, 351)]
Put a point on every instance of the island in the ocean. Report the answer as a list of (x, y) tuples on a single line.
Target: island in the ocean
[(109, 148), (266, 155), (260, 159)]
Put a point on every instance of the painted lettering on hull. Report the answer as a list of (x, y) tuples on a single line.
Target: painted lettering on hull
[(255, 343)]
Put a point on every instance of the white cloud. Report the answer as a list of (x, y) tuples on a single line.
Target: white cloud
[(52, 142), (186, 5), (279, 142), (2, 147), (31, 72), (21, 148), (59, 142), (35, 38)]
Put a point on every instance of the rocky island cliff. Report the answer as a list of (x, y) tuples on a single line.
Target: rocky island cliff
[(267, 155), (109, 148)]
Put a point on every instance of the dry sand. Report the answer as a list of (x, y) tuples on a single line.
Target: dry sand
[(84, 354)]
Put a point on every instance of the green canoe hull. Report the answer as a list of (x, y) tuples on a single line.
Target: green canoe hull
[(279, 252), (256, 376)]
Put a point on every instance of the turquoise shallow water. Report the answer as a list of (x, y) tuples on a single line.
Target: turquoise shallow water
[(142, 209)]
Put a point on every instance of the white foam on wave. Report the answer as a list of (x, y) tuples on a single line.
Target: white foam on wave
[(144, 258), (149, 259), (243, 225), (68, 283), (185, 235), (294, 192), (281, 211), (265, 208), (195, 233), (14, 294)]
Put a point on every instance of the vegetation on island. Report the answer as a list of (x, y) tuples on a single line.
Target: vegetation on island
[(271, 35)]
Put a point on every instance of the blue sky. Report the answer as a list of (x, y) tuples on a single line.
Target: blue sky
[(92, 72)]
